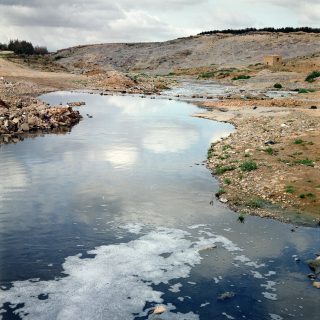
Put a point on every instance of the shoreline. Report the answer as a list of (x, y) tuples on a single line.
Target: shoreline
[(262, 166), (261, 170)]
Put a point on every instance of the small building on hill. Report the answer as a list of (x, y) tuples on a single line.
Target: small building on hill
[(272, 60)]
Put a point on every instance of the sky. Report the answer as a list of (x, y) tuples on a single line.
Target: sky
[(64, 23)]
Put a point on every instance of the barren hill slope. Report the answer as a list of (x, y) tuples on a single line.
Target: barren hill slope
[(197, 51)]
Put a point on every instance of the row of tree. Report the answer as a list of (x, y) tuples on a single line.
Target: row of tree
[(23, 47), (277, 30)]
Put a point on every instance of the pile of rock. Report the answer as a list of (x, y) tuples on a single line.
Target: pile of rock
[(15, 121)]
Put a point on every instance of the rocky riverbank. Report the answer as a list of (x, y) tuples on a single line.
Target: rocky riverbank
[(270, 165), (20, 114)]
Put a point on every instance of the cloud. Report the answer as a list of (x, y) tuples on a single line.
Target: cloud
[(65, 23)]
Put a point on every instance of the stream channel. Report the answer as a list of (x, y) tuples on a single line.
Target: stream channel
[(119, 216)]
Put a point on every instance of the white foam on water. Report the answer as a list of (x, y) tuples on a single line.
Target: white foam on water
[(134, 228), (269, 286), (216, 280), (175, 288), (204, 304), (227, 316), (197, 226), (257, 275), (248, 262), (274, 316), (270, 296), (117, 282)]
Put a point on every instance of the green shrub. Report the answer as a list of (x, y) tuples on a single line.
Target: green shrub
[(312, 76), (241, 77), (206, 75), (302, 196), (223, 169), (226, 147), (298, 141), (306, 162), (220, 192), (269, 151), (289, 189), (227, 181), (255, 203), (305, 90), (248, 166), (277, 86), (210, 153)]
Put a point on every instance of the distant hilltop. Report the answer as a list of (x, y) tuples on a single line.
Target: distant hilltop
[(276, 30)]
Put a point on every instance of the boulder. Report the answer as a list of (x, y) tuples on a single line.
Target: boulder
[(24, 127)]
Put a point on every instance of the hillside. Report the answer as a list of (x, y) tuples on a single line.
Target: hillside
[(191, 52)]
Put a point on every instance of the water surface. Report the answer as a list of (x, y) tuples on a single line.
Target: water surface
[(119, 215)]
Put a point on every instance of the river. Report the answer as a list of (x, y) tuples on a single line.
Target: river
[(119, 215)]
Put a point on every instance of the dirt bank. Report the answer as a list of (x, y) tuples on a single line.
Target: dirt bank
[(270, 165)]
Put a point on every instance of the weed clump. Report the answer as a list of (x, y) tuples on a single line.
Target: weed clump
[(298, 141), (289, 189), (249, 166), (312, 76), (255, 203), (222, 169), (277, 86), (306, 162), (241, 77), (206, 75)]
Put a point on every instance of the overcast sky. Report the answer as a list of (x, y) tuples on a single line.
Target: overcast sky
[(64, 23)]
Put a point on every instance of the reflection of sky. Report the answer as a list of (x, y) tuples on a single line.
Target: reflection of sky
[(136, 166), (163, 139)]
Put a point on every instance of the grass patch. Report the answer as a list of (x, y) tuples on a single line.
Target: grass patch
[(224, 156), (305, 90), (308, 195), (255, 203), (298, 141), (226, 147), (206, 75), (241, 77), (311, 195), (290, 189), (312, 76), (306, 162), (269, 151), (248, 166), (210, 153), (227, 181), (277, 86), (220, 192), (222, 169)]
